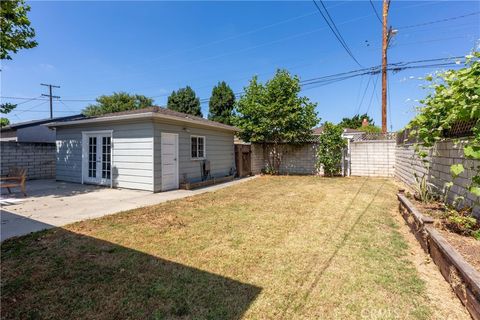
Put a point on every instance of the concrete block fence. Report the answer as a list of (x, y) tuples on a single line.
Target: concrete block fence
[(437, 168), (37, 158), (372, 158), (297, 159)]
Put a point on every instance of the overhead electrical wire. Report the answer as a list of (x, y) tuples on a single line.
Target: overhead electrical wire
[(439, 21), (376, 12), (331, 24), (319, 81), (20, 103), (27, 110), (389, 105), (373, 93), (363, 96)]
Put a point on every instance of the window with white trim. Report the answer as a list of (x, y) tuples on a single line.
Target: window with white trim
[(197, 147)]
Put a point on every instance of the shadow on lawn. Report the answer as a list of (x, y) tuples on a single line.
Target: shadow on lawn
[(58, 274)]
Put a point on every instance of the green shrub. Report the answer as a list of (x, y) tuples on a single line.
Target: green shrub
[(330, 147)]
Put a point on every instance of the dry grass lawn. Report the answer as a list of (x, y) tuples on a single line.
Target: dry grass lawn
[(270, 248)]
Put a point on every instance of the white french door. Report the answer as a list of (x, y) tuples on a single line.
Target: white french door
[(97, 157)]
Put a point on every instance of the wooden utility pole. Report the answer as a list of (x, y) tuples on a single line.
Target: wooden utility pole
[(50, 86), (385, 34)]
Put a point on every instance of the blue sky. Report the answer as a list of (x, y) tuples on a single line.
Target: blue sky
[(152, 48)]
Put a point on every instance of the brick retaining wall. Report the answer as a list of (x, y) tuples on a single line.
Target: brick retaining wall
[(37, 158)]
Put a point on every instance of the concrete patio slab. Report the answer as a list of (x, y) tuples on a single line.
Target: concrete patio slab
[(53, 203)]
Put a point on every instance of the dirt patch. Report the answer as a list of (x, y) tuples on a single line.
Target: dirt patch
[(445, 302), (467, 246)]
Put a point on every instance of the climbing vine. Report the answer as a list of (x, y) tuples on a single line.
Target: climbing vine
[(454, 98)]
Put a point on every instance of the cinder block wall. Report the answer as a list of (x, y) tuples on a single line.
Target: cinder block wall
[(258, 158), (372, 158), (37, 158), (297, 159), (437, 168)]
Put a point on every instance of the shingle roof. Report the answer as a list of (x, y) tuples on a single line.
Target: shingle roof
[(37, 122), (155, 110)]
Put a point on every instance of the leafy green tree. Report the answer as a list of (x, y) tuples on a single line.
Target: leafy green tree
[(5, 108), (222, 103), (355, 122), (16, 32), (4, 122), (274, 113), (185, 100), (119, 101), (330, 146)]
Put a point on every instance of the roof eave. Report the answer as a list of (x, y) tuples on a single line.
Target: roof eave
[(139, 116), (100, 119), (193, 121)]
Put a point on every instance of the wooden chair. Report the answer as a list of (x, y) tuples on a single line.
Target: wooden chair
[(16, 178)]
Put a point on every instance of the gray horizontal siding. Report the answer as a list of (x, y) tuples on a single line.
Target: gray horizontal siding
[(132, 153), (219, 150), (137, 152)]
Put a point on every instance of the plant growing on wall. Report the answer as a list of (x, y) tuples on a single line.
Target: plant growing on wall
[(454, 98), (275, 114), (330, 147)]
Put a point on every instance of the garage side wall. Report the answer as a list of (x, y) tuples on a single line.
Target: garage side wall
[(132, 154), (219, 150)]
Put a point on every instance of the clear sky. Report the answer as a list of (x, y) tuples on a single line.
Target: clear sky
[(152, 48)]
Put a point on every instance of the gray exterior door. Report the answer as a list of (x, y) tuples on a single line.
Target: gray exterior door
[(169, 158)]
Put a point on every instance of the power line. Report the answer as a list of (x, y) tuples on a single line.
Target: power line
[(363, 96), (27, 110), (334, 29), (233, 37), (43, 111), (376, 12), (439, 21), (259, 45), (395, 67), (389, 106), (70, 110), (20, 103), (43, 99), (373, 93)]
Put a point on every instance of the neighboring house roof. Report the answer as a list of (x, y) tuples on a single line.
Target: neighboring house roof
[(32, 123), (318, 130), (348, 130), (150, 112)]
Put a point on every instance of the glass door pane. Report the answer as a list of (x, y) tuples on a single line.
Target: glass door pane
[(106, 157), (92, 157)]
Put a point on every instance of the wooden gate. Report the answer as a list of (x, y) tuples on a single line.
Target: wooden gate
[(243, 159)]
